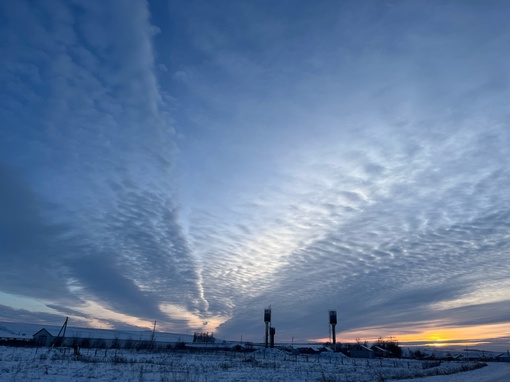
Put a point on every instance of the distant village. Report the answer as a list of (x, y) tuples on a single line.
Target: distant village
[(80, 338)]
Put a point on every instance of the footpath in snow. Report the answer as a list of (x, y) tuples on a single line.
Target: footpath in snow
[(494, 372)]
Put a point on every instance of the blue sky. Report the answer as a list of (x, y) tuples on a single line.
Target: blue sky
[(193, 162)]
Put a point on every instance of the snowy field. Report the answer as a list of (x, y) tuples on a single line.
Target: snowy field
[(494, 372), (42, 364)]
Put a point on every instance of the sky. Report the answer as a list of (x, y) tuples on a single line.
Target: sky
[(195, 162)]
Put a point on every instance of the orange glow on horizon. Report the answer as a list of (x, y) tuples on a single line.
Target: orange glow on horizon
[(473, 334), (438, 337)]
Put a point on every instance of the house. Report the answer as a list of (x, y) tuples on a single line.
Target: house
[(361, 351), (43, 338), (240, 347), (311, 349), (380, 352), (90, 338), (503, 357)]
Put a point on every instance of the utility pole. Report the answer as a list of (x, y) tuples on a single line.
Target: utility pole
[(153, 334), (63, 332)]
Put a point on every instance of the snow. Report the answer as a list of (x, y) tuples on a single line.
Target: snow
[(494, 372), (58, 365)]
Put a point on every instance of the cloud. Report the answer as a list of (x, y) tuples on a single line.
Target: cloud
[(142, 242), (28, 241), (89, 211), (8, 314), (382, 247), (348, 157)]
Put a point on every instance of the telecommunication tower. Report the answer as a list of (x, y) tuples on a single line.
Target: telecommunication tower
[(267, 320), (332, 323)]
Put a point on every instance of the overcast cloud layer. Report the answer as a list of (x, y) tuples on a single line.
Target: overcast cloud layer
[(195, 162)]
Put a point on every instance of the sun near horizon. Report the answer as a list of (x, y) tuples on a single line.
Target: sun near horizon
[(440, 337)]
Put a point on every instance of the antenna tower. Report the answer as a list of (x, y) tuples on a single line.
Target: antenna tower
[(267, 320), (332, 324)]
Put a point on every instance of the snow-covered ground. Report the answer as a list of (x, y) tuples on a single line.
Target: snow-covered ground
[(58, 365), (493, 372)]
